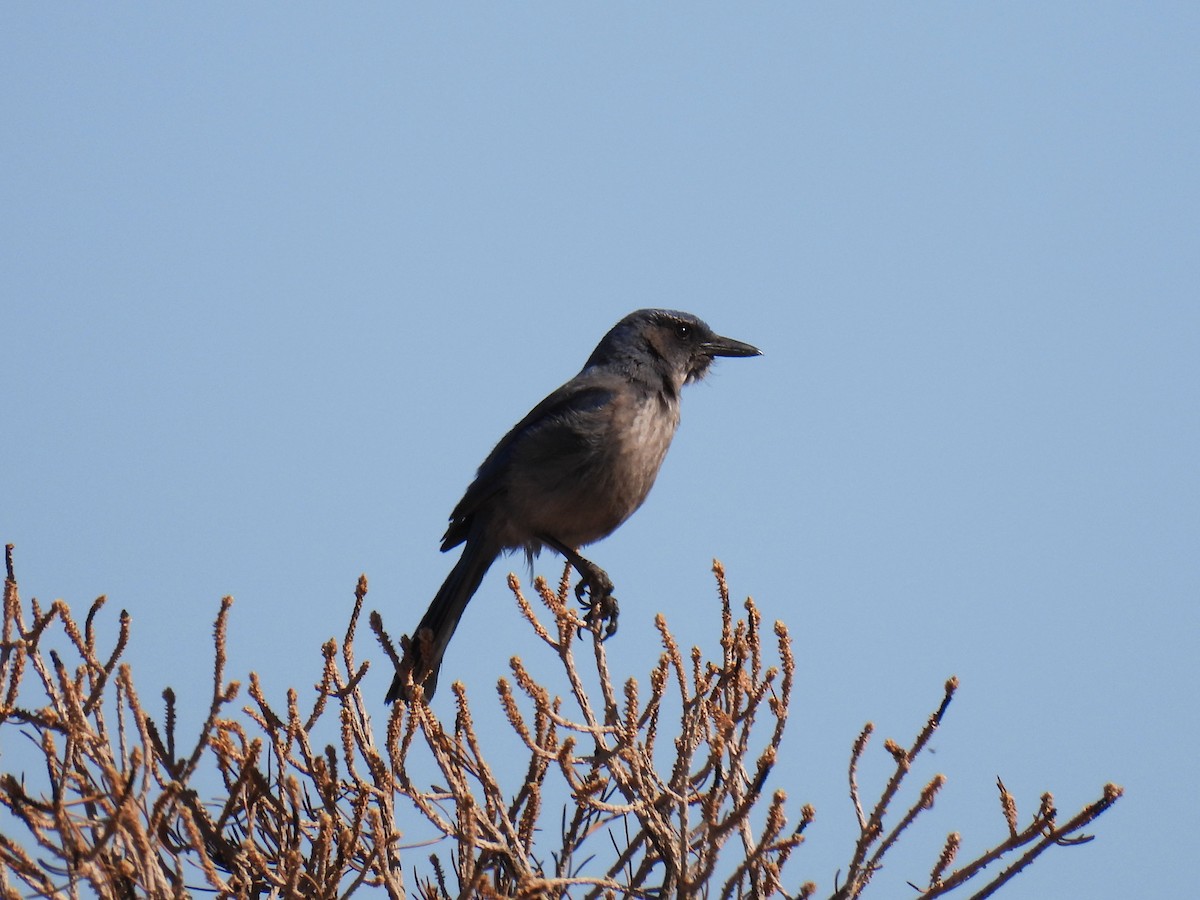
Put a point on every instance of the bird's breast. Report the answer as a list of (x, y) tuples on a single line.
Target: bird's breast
[(582, 489), (641, 437), (632, 455)]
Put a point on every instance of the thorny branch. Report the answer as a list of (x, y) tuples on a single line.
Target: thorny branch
[(872, 844), (665, 779)]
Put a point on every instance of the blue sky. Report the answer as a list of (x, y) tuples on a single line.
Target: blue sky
[(275, 279)]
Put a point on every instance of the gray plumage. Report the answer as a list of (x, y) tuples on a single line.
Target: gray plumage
[(569, 473)]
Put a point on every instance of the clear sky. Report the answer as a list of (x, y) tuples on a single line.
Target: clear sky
[(274, 279)]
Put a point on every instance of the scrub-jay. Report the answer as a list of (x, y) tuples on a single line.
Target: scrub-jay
[(570, 472)]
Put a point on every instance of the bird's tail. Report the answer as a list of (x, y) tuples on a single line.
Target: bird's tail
[(423, 656)]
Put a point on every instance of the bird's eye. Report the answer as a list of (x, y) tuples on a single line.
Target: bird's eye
[(683, 332)]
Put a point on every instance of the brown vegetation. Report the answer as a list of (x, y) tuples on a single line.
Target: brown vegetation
[(655, 806)]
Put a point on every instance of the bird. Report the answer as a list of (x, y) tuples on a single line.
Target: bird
[(570, 473)]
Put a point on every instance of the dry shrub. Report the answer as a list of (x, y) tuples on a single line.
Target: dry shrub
[(120, 815)]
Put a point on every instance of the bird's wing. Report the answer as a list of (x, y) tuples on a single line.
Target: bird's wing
[(582, 394)]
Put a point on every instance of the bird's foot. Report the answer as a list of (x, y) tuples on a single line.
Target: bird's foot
[(601, 615), (601, 605)]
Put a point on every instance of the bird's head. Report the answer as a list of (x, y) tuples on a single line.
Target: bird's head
[(680, 344)]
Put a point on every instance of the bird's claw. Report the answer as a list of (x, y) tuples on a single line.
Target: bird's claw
[(601, 605), (602, 613)]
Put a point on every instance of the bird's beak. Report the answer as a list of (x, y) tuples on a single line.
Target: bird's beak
[(723, 346)]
